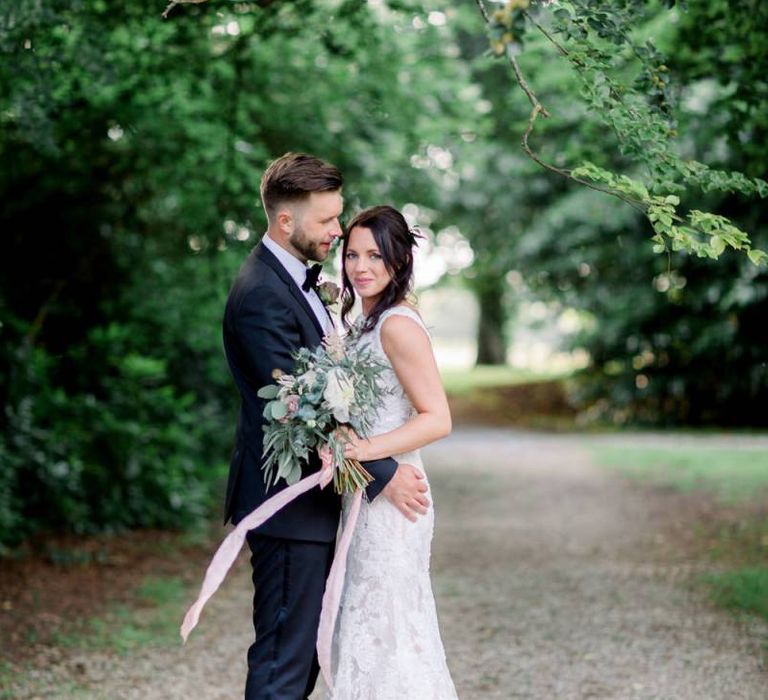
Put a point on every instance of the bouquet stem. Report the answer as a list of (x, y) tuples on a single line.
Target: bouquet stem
[(350, 476)]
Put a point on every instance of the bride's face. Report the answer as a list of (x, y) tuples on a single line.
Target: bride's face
[(365, 266)]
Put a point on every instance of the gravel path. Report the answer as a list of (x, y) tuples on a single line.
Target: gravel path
[(553, 579)]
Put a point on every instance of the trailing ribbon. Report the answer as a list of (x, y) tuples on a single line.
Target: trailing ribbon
[(230, 547), (333, 588)]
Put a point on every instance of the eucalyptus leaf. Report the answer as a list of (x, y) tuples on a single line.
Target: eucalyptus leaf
[(268, 392), (278, 410)]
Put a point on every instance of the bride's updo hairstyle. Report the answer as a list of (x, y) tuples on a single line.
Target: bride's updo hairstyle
[(395, 241)]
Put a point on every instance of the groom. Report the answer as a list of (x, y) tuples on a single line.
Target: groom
[(273, 310)]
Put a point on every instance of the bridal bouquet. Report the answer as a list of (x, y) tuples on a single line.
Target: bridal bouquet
[(331, 387)]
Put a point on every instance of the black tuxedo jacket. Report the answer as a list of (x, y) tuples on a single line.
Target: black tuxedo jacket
[(267, 317)]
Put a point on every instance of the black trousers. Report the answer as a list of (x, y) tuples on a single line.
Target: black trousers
[(289, 582)]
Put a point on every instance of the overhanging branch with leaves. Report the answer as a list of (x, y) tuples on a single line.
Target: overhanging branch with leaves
[(598, 34)]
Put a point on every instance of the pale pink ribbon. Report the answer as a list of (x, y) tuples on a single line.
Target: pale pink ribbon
[(333, 588), (228, 550)]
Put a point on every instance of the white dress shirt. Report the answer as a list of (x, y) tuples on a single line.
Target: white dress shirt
[(298, 271)]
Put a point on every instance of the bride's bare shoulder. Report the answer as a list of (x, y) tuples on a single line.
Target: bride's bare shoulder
[(410, 307), (398, 329)]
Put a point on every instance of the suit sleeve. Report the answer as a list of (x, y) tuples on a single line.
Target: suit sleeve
[(382, 470), (268, 334)]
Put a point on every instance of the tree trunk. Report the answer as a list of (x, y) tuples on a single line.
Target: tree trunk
[(491, 339)]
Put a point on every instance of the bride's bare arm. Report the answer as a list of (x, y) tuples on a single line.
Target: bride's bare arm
[(408, 348)]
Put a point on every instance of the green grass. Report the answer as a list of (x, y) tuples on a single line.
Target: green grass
[(161, 591), (733, 475), (150, 618), (14, 684), (7, 675), (742, 590), (154, 620), (464, 381)]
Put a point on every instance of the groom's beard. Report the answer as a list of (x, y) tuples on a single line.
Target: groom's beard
[(311, 250)]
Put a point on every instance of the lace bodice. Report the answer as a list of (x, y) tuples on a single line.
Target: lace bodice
[(396, 408), (387, 644)]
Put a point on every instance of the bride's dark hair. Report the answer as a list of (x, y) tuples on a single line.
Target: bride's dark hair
[(395, 241)]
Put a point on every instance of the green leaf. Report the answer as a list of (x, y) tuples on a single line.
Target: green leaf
[(293, 476), (285, 463), (717, 244), (268, 392), (757, 257), (278, 410)]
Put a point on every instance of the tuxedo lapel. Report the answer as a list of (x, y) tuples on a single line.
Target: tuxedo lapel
[(330, 316), (299, 296), (264, 254)]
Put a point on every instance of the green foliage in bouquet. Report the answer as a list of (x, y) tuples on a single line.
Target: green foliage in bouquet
[(333, 386)]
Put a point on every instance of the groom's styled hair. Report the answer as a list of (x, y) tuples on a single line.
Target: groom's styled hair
[(293, 177)]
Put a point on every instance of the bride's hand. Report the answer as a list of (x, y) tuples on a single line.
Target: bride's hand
[(355, 447)]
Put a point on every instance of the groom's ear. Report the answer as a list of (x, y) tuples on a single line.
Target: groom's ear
[(285, 220)]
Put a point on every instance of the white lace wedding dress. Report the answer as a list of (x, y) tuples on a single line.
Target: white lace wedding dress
[(387, 643)]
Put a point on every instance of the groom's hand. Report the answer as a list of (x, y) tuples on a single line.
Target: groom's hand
[(406, 490)]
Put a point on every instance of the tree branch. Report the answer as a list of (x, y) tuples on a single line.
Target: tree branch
[(537, 106), (539, 109), (173, 3), (484, 12), (37, 324), (547, 34)]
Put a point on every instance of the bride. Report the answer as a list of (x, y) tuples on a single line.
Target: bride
[(387, 643)]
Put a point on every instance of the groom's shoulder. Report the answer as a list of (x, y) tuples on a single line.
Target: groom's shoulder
[(257, 285), (255, 272)]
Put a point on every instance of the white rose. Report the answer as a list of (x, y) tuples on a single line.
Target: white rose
[(339, 394)]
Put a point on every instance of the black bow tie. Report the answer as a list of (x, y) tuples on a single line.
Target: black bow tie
[(313, 273)]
